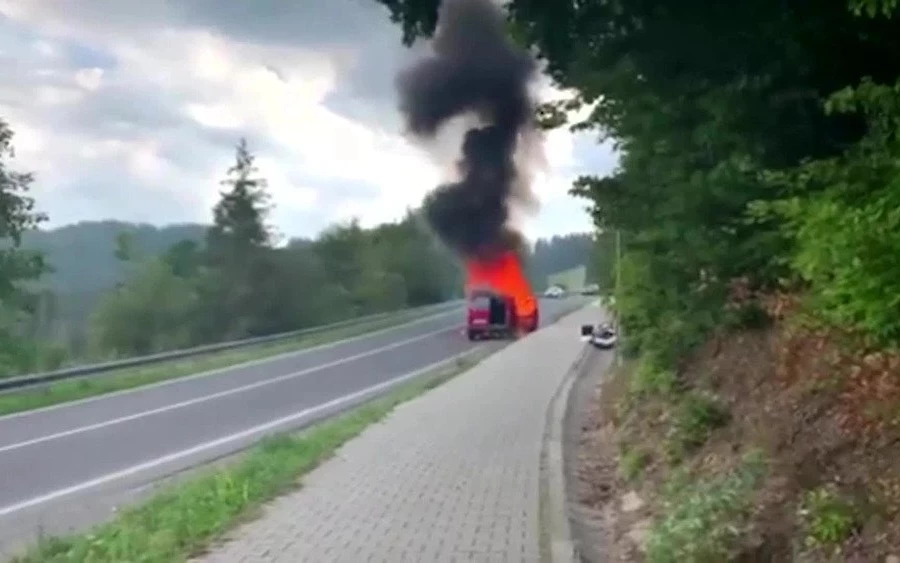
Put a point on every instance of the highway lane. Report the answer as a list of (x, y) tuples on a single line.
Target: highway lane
[(76, 450), (24, 426)]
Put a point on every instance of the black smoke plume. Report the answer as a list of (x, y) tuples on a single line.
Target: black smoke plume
[(474, 68)]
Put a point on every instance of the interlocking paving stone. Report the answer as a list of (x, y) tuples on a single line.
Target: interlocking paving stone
[(450, 476)]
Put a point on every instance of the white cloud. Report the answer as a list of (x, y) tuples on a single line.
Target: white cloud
[(132, 112), (89, 78)]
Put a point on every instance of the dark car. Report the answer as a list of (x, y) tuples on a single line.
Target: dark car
[(591, 289)]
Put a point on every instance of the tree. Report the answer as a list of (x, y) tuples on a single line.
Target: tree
[(184, 258), (427, 272), (350, 259), (18, 267), (152, 311), (124, 251), (557, 254), (239, 218), (235, 244)]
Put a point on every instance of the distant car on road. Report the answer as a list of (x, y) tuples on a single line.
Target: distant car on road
[(554, 292), (591, 289)]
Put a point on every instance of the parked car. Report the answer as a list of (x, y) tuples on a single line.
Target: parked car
[(601, 336), (604, 337), (591, 289)]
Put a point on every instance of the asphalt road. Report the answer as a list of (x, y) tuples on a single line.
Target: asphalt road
[(56, 459)]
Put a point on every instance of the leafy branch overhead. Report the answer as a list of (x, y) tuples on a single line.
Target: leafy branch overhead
[(18, 266)]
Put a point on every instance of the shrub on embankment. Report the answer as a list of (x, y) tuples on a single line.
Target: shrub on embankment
[(768, 444)]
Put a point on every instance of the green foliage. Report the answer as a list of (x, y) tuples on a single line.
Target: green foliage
[(18, 266), (704, 520), (239, 217), (151, 312), (572, 279), (83, 255), (846, 223), (659, 319), (828, 519), (559, 254), (696, 416), (632, 463), (649, 378), (601, 264)]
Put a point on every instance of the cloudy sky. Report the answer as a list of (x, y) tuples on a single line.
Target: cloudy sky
[(130, 109)]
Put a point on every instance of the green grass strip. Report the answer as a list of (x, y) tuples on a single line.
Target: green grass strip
[(183, 520), (130, 378)]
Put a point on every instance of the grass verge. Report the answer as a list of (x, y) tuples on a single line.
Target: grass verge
[(185, 519), (130, 378)]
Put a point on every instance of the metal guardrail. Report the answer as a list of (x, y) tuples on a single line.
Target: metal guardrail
[(31, 380)]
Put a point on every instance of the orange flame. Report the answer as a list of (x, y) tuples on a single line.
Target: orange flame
[(504, 274)]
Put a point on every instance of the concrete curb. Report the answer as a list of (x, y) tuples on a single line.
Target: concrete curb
[(556, 533)]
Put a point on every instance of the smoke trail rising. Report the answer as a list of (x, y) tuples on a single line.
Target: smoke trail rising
[(475, 69)]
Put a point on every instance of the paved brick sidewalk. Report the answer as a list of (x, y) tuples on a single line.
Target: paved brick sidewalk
[(450, 476)]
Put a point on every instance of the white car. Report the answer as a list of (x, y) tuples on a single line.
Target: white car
[(554, 292), (604, 337)]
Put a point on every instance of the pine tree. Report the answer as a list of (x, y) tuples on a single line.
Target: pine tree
[(239, 218), (238, 248)]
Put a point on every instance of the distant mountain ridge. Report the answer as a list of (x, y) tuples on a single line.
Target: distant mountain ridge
[(83, 254)]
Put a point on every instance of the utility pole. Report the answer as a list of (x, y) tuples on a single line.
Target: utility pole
[(616, 292), (618, 259)]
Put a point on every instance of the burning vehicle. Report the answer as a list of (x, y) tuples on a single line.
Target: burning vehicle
[(500, 301), (475, 72)]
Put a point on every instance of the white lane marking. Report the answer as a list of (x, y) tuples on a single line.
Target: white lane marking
[(217, 371), (199, 448), (213, 396)]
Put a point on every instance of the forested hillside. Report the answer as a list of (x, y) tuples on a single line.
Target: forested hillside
[(83, 257), (83, 254), (758, 200), (557, 254)]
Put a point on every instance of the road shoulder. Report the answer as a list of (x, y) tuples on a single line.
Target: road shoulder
[(589, 529)]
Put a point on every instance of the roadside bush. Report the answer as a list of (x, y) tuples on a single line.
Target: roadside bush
[(632, 462), (650, 378), (660, 319), (704, 520), (827, 519), (695, 418)]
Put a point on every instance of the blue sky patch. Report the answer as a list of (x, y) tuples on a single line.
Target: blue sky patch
[(82, 55)]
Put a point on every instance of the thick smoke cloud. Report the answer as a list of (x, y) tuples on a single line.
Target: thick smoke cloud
[(474, 68)]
